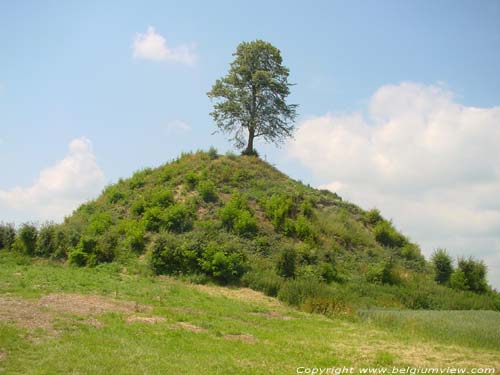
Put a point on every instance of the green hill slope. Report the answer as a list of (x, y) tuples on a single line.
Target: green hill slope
[(238, 220)]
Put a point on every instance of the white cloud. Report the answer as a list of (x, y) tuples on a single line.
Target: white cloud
[(177, 126), (153, 46), (429, 163), (59, 189)]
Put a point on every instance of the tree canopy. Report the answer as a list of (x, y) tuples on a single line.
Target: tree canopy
[(250, 101)]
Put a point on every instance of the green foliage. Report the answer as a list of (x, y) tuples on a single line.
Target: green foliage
[(171, 254), (114, 194), (304, 230), (223, 262), (298, 291), (264, 280), (373, 216), (443, 266), (191, 179), (278, 208), (474, 275), (252, 97), (212, 153), (207, 191), (162, 198), (245, 224), (178, 218), (26, 239), (47, 240), (384, 273), (287, 262), (7, 235), (386, 235)]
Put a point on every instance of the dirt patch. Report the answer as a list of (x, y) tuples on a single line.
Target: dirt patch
[(273, 315), (32, 314), (25, 313), (241, 294), (241, 337), (145, 319), (85, 305), (189, 327)]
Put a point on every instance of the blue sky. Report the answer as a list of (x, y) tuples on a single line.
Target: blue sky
[(69, 78)]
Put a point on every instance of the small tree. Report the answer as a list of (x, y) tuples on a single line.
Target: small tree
[(475, 274), (251, 98), (287, 262), (443, 266)]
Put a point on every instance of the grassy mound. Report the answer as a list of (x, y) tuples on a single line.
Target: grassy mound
[(238, 220)]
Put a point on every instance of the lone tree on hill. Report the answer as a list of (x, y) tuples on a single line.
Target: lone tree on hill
[(250, 99)]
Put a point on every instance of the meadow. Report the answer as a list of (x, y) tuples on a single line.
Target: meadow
[(120, 318)]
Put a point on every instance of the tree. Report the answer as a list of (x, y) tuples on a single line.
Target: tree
[(474, 273), (443, 266), (250, 99)]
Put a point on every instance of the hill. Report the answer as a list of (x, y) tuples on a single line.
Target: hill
[(238, 220)]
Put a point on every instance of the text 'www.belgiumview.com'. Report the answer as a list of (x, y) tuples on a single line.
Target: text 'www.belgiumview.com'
[(394, 370)]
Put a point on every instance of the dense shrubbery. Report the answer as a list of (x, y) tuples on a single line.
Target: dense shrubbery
[(7, 235), (386, 235)]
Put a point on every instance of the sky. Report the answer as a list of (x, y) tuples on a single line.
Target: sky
[(399, 103)]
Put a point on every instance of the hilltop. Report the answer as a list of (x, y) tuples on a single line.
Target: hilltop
[(238, 220)]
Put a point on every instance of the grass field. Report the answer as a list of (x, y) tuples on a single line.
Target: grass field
[(114, 319)]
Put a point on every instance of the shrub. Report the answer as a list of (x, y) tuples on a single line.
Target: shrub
[(245, 224), (153, 219), (212, 153), (443, 266), (138, 207), (327, 272), (207, 191), (114, 194), (304, 229), (474, 274), (79, 256), (26, 238), (171, 254), (222, 263), (386, 235), (7, 235), (47, 241), (99, 223), (287, 262), (134, 237), (163, 198), (278, 208), (307, 209), (191, 179), (178, 218), (373, 216)]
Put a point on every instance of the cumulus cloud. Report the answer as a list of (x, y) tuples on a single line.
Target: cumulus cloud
[(153, 46), (426, 161), (59, 189)]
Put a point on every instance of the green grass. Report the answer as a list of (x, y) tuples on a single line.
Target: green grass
[(283, 338), (477, 329)]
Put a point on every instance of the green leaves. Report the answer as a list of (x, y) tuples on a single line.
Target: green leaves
[(252, 97)]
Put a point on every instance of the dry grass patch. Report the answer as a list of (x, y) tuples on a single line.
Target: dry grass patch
[(240, 294), (145, 319), (189, 327), (241, 337)]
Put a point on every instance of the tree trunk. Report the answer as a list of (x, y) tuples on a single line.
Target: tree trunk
[(251, 136)]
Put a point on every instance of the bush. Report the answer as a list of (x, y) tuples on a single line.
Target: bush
[(47, 241), (191, 179), (474, 274), (287, 262), (80, 255), (99, 223), (443, 266), (7, 235), (114, 194), (245, 224), (163, 198), (171, 254), (178, 218), (305, 230), (222, 263), (153, 219), (26, 238), (212, 153), (207, 191), (373, 216), (386, 235), (278, 208)]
